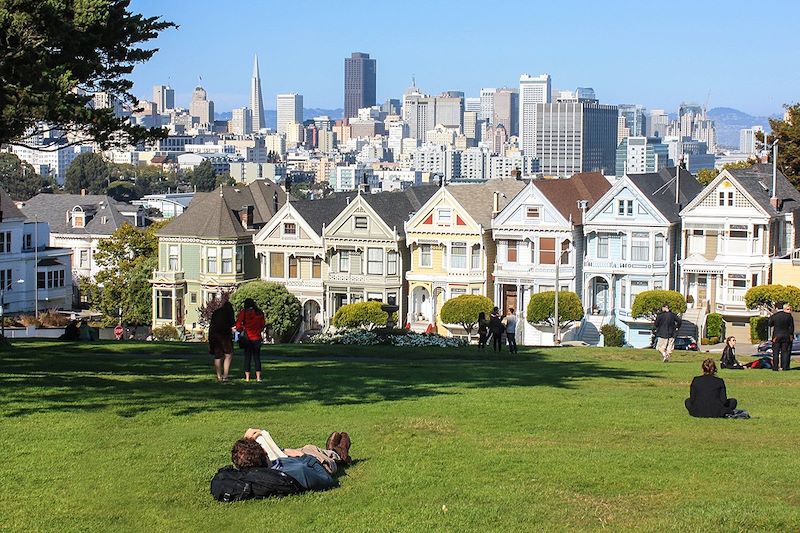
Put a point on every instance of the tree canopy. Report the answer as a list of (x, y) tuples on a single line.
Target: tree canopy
[(464, 310), (541, 308), (707, 175), (648, 304), (360, 315), (787, 132), (56, 55), (769, 297), (20, 180), (88, 172), (203, 177), (282, 309)]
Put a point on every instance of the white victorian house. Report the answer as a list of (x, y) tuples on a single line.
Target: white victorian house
[(732, 232), (539, 238), (632, 245)]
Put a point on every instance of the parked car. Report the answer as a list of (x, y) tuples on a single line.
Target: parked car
[(681, 343), (766, 347)]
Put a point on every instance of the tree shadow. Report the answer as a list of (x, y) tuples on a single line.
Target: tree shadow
[(69, 379)]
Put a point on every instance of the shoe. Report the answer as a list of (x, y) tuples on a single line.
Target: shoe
[(334, 440), (343, 448)]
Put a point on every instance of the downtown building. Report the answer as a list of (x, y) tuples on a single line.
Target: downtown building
[(359, 83), (290, 109), (533, 91)]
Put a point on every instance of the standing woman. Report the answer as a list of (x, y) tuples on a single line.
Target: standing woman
[(483, 330), (250, 323), (220, 339), (496, 328)]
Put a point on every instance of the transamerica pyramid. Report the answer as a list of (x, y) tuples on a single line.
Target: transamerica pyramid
[(256, 103)]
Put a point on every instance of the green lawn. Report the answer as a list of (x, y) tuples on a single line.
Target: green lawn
[(125, 437)]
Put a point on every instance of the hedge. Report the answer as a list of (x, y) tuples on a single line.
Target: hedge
[(612, 335), (759, 328), (715, 325)]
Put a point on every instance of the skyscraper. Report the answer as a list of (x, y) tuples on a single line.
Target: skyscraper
[(747, 139), (533, 91), (487, 103), (164, 97), (290, 109), (256, 103), (506, 110), (658, 123), (359, 83), (241, 122), (201, 107)]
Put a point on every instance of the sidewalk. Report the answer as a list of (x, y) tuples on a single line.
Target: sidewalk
[(742, 348)]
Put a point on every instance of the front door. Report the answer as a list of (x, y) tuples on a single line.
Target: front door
[(509, 297), (601, 295), (702, 290)]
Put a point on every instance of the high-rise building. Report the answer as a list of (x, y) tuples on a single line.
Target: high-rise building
[(506, 110), (575, 136), (419, 112), (256, 102), (359, 83), (641, 155), (473, 104), (201, 107), (658, 123), (241, 121), (290, 109), (533, 91), (104, 100), (487, 103), (635, 119), (450, 110), (164, 97), (747, 139)]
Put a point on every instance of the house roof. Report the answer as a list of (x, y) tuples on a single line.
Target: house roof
[(477, 198), (659, 188), (8, 208), (757, 181), (395, 207), (323, 210), (565, 193), (105, 213), (215, 214)]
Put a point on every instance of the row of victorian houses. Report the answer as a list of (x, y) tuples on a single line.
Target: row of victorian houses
[(506, 239)]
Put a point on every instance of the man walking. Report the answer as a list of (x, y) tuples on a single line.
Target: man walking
[(666, 325), (511, 330), (782, 324)]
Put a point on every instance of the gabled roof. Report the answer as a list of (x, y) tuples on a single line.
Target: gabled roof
[(216, 214), (395, 207), (53, 209), (8, 207), (318, 213), (477, 198), (564, 194), (659, 189), (757, 181)]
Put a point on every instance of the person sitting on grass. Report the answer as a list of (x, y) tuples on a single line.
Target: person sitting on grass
[(729, 355), (707, 395)]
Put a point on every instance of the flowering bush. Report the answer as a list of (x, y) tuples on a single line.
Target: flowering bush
[(427, 339), (347, 336), (371, 338)]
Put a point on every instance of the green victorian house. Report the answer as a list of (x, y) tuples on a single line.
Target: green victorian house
[(209, 249)]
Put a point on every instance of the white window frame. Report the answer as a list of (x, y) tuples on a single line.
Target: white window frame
[(344, 260), (226, 262), (360, 218), (446, 220), (426, 258), (288, 234), (537, 209), (173, 257), (458, 245), (391, 263), (375, 261), (211, 254)]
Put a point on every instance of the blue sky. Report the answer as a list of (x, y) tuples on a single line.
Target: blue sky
[(653, 53)]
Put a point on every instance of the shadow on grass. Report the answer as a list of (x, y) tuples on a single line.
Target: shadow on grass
[(62, 377)]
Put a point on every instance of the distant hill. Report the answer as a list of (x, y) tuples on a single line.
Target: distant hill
[(729, 121), (271, 116)]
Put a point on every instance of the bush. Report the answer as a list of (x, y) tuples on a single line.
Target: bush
[(768, 297), (282, 309), (390, 337), (352, 336), (541, 308), (649, 303), (54, 319), (715, 325), (29, 320), (713, 340), (167, 332), (428, 339), (464, 310), (360, 315), (704, 341), (612, 335), (759, 328)]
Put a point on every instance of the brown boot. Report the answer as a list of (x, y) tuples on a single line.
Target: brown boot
[(333, 440)]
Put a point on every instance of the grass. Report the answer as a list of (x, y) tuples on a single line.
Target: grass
[(126, 436)]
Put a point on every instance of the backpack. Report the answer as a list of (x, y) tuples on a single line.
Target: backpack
[(738, 413), (232, 485)]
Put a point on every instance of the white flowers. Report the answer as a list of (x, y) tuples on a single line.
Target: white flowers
[(370, 338)]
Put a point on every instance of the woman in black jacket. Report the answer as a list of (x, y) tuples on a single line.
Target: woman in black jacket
[(707, 395), (729, 355), (496, 328), (483, 330)]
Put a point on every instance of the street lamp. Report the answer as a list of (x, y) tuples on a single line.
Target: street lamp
[(556, 325), (3, 308)]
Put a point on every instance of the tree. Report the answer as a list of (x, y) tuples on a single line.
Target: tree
[(207, 309), (56, 55), (203, 177), (648, 304), (768, 298), (360, 315), (787, 133), (282, 309), (123, 191), (541, 308), (707, 175), (87, 172), (19, 179), (464, 310)]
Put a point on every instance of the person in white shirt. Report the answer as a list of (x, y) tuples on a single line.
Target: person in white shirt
[(511, 330)]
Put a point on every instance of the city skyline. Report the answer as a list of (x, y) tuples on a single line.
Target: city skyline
[(313, 67)]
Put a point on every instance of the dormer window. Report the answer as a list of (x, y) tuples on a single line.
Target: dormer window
[(532, 212), (625, 208), (289, 229), (78, 220)]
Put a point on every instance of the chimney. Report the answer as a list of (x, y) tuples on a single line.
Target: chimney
[(495, 203), (275, 201), (287, 184), (776, 203), (516, 173), (246, 216), (365, 183), (83, 192)]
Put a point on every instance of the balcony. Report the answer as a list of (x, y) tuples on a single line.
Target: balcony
[(168, 277), (621, 264), (377, 279)]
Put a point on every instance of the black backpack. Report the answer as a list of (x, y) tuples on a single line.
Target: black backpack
[(232, 485)]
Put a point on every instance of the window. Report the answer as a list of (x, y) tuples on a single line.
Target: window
[(316, 268), (565, 252), (739, 283), (28, 244), (227, 260), (659, 248), (457, 291), (275, 265), (730, 199), (5, 242), (533, 253), (532, 212), (374, 297), (636, 288), (239, 260), (511, 251), (623, 295), (640, 246), (374, 260), (623, 246), (425, 255), (193, 297), (458, 257), (476, 257), (293, 267), (164, 305), (84, 259), (547, 251), (50, 279), (5, 279), (658, 285), (289, 229), (360, 223), (344, 261), (738, 234), (721, 198), (445, 217), (697, 232), (391, 264), (41, 280), (602, 246), (211, 260), (625, 208)]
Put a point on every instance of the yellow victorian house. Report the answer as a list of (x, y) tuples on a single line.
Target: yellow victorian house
[(452, 251)]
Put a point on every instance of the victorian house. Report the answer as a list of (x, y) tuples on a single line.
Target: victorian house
[(539, 238), (451, 245), (209, 249), (740, 224), (632, 245)]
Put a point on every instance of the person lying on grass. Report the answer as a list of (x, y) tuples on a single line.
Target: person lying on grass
[(336, 452)]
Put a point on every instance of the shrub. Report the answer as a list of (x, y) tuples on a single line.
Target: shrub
[(715, 325), (392, 337), (689, 299), (352, 336), (541, 308), (282, 309), (612, 335), (759, 328), (53, 319), (768, 297), (29, 320), (649, 303), (464, 310), (167, 332), (713, 340), (704, 341), (428, 339), (360, 315)]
